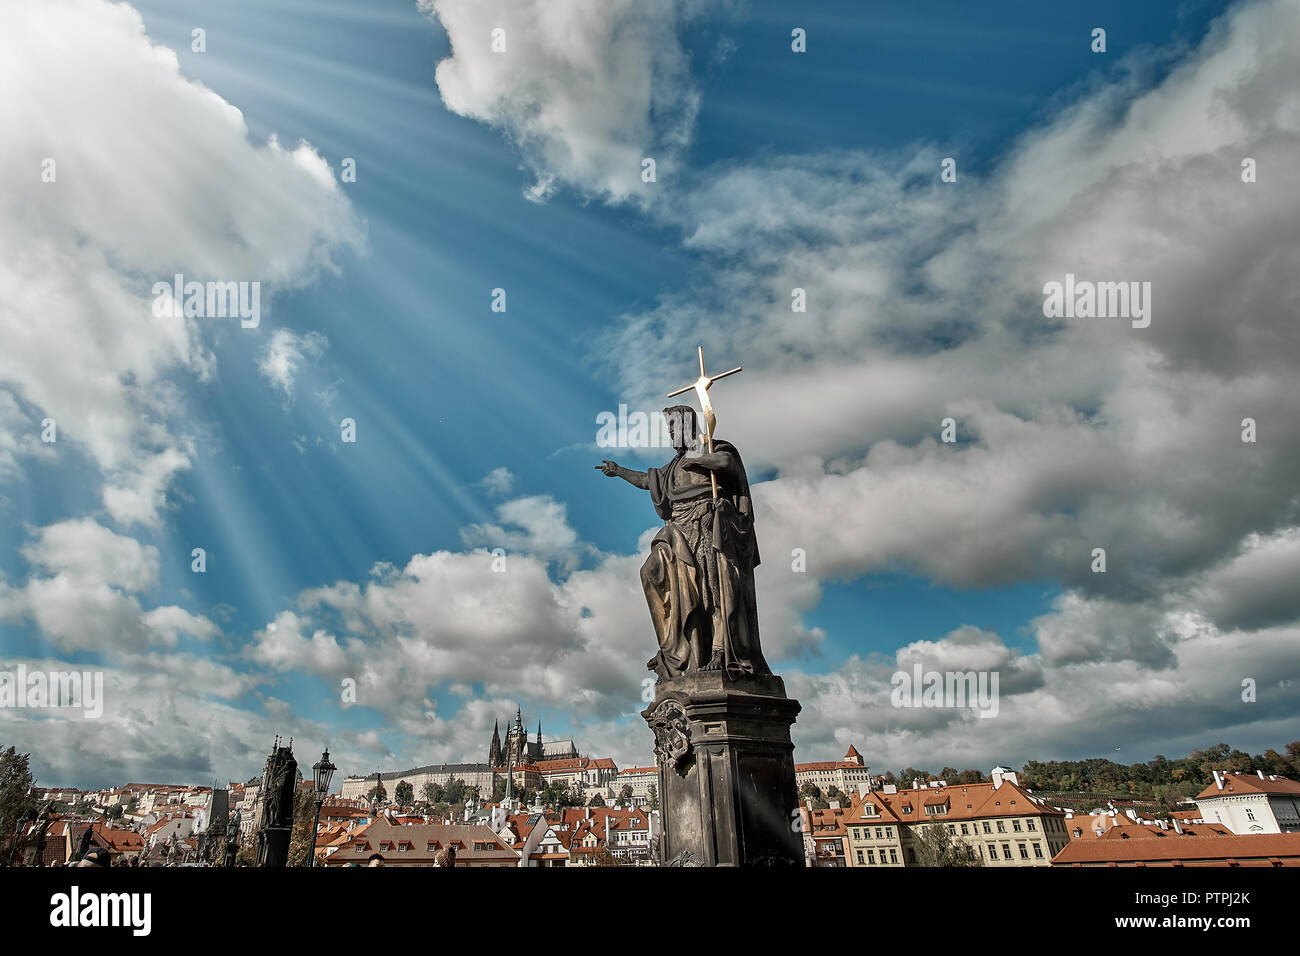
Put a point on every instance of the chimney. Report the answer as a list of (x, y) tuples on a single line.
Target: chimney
[(1218, 779), (916, 783), (1178, 827)]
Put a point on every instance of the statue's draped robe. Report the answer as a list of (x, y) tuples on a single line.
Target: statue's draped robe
[(699, 577)]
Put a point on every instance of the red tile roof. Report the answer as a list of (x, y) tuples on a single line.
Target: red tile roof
[(1262, 849), (1240, 783)]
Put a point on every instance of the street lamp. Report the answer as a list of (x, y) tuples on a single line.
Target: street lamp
[(323, 771)]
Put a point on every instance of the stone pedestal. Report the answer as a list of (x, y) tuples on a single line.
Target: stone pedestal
[(726, 770)]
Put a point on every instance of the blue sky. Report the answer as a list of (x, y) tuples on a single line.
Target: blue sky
[(609, 286)]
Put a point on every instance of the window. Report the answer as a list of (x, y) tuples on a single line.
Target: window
[(1250, 814), (1024, 852), (1002, 827), (1030, 825), (878, 836), (1077, 833), (1038, 851), (911, 855), (1015, 825), (893, 855), (993, 851), (871, 856), (1006, 851), (952, 829), (964, 831)]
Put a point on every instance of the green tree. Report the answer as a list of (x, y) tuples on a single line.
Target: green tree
[(304, 813), (810, 791), (455, 791), (16, 800), (431, 792), (624, 796), (404, 794), (938, 847), (654, 797)]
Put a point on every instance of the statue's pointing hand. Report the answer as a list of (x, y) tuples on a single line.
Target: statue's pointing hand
[(610, 468)]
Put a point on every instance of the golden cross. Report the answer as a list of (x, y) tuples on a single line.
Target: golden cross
[(701, 386)]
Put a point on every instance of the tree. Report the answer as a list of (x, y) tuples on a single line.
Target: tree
[(624, 796), (16, 800), (455, 791), (810, 791), (938, 847), (603, 857), (304, 815), (404, 794), (431, 792), (654, 797), (377, 792)]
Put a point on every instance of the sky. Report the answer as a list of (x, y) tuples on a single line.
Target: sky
[(350, 596)]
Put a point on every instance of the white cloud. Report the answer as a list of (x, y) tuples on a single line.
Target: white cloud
[(83, 593), (283, 354), (155, 176), (498, 481), (585, 88)]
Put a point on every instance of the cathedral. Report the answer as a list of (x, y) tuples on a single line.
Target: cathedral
[(518, 750)]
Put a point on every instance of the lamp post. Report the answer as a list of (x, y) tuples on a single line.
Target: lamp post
[(323, 770)]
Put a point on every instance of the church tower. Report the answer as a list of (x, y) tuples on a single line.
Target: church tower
[(495, 756)]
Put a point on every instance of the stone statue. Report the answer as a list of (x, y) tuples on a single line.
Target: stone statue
[(699, 576), (720, 718)]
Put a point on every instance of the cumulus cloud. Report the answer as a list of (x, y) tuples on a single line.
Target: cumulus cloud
[(149, 174), (498, 481), (585, 88), (83, 592), (280, 358)]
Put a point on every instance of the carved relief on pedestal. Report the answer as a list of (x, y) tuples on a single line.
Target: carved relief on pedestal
[(672, 734)]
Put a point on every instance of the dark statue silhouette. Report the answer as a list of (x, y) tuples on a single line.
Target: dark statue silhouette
[(699, 576)]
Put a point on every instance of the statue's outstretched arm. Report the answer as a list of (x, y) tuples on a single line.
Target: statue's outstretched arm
[(614, 470)]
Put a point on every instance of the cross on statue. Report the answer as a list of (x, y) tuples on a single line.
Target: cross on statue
[(702, 386)]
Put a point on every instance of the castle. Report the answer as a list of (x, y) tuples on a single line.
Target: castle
[(519, 750)]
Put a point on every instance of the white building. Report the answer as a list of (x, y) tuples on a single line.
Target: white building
[(1251, 803)]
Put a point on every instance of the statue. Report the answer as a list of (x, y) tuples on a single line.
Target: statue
[(719, 716), (699, 576)]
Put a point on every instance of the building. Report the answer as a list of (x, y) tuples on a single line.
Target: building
[(850, 775), (1127, 825), (473, 775), (1164, 849), (417, 844), (825, 834), (1251, 803), (642, 780), (518, 749), (1002, 823), (578, 773)]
